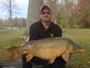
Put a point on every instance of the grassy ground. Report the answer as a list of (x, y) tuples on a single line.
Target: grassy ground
[(80, 36), (9, 38)]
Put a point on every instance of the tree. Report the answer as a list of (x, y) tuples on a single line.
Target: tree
[(33, 14), (10, 7), (88, 13), (65, 13), (1, 22), (18, 22), (83, 10)]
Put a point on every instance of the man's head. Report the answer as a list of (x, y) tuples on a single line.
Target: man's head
[(45, 13)]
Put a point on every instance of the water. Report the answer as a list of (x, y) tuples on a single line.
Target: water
[(14, 28)]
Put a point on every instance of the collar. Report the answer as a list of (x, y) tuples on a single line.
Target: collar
[(50, 26)]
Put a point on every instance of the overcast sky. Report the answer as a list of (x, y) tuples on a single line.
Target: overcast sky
[(22, 6)]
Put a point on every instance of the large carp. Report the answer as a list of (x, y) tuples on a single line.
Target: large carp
[(47, 49)]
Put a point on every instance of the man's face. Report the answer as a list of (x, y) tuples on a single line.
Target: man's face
[(45, 15)]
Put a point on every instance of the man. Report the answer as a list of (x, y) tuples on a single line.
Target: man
[(44, 28)]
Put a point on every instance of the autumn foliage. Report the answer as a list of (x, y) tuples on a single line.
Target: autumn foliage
[(83, 13), (71, 13)]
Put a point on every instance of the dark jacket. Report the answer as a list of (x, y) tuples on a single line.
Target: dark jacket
[(37, 31)]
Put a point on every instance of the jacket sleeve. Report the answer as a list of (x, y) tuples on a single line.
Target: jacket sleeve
[(58, 31), (33, 33)]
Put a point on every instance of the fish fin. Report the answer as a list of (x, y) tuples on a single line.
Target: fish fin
[(29, 57), (66, 56), (14, 52), (51, 60), (13, 56)]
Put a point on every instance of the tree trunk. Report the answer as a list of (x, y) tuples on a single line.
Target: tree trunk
[(33, 14)]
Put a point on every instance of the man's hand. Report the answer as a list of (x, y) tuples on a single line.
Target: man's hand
[(24, 52)]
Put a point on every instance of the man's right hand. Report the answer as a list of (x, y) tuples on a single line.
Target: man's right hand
[(24, 52)]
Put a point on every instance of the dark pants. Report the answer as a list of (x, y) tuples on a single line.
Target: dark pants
[(26, 64), (59, 63)]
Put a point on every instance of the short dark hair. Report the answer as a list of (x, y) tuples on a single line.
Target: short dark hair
[(45, 7)]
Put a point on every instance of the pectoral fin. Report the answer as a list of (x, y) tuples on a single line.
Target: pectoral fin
[(51, 60), (13, 57), (29, 57), (66, 56)]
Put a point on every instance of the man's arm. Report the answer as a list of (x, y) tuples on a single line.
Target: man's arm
[(33, 33), (32, 36), (58, 31)]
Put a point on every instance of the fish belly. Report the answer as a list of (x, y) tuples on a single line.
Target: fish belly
[(48, 53)]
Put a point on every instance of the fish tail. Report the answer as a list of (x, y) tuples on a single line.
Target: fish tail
[(14, 53)]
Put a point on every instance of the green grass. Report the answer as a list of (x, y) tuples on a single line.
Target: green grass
[(81, 36), (9, 38)]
